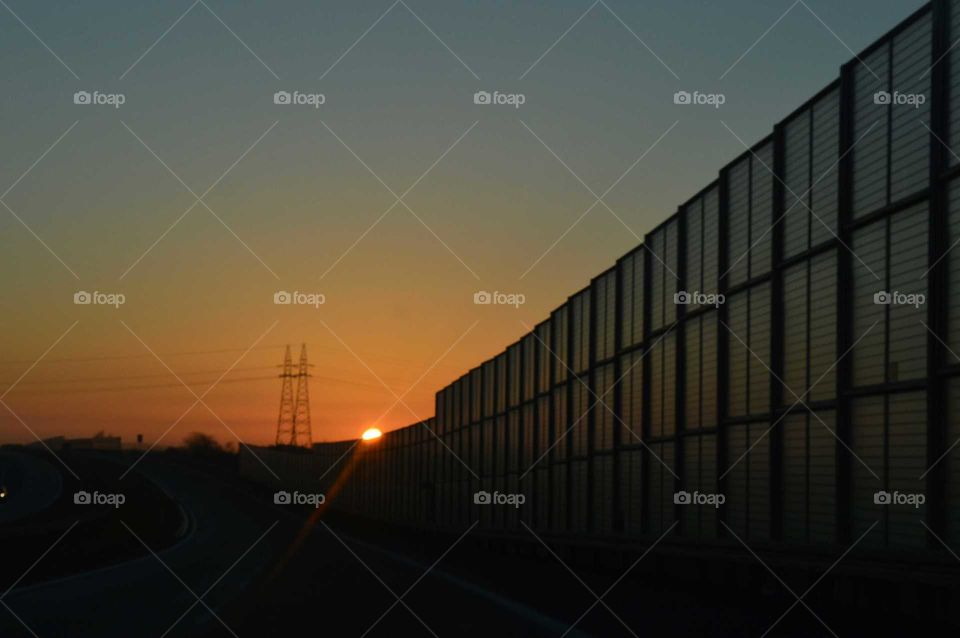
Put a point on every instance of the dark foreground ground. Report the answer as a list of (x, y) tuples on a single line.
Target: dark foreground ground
[(77, 538), (246, 567)]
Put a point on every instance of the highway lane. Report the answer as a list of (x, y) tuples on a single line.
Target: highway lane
[(33, 484), (374, 583), (148, 595), (235, 541), (345, 579)]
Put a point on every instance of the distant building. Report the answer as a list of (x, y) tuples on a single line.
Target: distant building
[(98, 442)]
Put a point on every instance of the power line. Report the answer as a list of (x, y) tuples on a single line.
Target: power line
[(188, 353), (128, 388), (141, 355), (137, 376)]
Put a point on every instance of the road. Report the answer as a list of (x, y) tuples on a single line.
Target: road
[(234, 543), (33, 484), (146, 596), (263, 570)]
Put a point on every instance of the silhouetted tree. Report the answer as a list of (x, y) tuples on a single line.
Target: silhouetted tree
[(202, 444)]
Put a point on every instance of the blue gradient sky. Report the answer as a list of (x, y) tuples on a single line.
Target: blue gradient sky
[(399, 99)]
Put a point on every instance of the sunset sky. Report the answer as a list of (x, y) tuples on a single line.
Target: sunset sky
[(297, 194)]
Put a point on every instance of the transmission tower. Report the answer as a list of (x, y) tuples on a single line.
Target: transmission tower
[(302, 434), (293, 423), (286, 434)]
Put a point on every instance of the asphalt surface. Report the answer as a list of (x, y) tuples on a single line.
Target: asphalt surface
[(33, 485), (236, 558), (146, 596), (264, 570)]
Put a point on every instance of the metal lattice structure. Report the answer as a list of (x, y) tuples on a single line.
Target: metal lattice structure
[(293, 422), (302, 434)]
